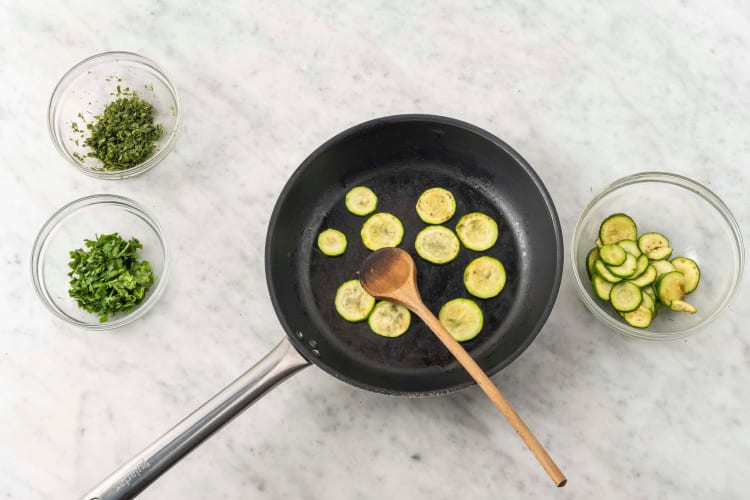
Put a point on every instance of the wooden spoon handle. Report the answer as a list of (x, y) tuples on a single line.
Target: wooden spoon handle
[(494, 394)]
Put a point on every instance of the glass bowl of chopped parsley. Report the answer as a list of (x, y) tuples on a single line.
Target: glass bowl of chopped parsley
[(114, 115), (100, 262)]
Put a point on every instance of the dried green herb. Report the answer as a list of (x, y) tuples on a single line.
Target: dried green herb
[(109, 276), (125, 134)]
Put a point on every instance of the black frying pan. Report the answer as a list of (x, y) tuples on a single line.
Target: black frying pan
[(398, 157)]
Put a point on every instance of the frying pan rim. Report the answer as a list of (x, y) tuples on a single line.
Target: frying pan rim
[(393, 119)]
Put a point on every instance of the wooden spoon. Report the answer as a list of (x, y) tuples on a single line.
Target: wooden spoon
[(390, 274)]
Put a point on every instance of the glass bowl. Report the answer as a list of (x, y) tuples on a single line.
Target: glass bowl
[(83, 219), (698, 225), (89, 86)]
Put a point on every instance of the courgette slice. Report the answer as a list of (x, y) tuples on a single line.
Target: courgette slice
[(332, 242), (361, 200), (436, 205), (477, 231), (646, 278), (682, 306), (389, 320), (591, 259), (612, 254), (599, 243), (630, 246), (648, 301), (690, 270), (616, 228), (662, 267), (352, 302), (485, 277), (640, 317), (671, 287), (437, 244), (382, 230), (462, 318), (626, 269), (642, 265), (602, 287), (655, 246), (603, 271), (625, 296)]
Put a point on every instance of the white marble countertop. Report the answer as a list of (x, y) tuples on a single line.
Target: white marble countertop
[(586, 92)]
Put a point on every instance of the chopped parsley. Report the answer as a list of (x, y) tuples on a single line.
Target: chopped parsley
[(108, 276)]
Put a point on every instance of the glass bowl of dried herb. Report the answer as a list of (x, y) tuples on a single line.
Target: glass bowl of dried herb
[(114, 115), (100, 262)]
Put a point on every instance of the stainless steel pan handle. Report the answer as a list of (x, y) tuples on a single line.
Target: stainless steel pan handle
[(134, 476)]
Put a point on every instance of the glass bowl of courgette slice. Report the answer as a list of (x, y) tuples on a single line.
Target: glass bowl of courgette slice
[(657, 256)]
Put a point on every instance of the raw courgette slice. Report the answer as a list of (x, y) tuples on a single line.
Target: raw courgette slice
[(616, 228), (682, 306), (641, 266), (602, 287), (436, 205), (332, 242), (603, 271), (352, 302), (612, 254), (477, 231), (361, 200), (591, 259), (625, 296), (485, 277), (626, 269), (630, 246), (690, 270), (662, 267), (655, 246), (437, 244), (671, 287), (599, 243), (462, 318), (388, 319), (639, 318), (646, 278), (648, 301), (382, 230)]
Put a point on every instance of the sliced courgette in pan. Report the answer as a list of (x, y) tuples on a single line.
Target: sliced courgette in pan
[(602, 287), (382, 230), (690, 270), (437, 244), (436, 205), (352, 302), (612, 254), (616, 228), (626, 269), (332, 242), (361, 200), (462, 318), (603, 271), (645, 278), (625, 296), (671, 287), (485, 277), (639, 318), (591, 259), (662, 267), (655, 246), (388, 319), (477, 231), (630, 246)]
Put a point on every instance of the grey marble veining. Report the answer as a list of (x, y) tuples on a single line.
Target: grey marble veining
[(587, 92)]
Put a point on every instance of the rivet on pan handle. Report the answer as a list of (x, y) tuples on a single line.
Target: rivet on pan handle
[(134, 476)]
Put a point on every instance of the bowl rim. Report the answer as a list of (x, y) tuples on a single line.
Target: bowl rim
[(685, 183), (142, 167), (48, 229)]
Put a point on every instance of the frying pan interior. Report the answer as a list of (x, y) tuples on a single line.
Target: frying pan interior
[(398, 158)]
